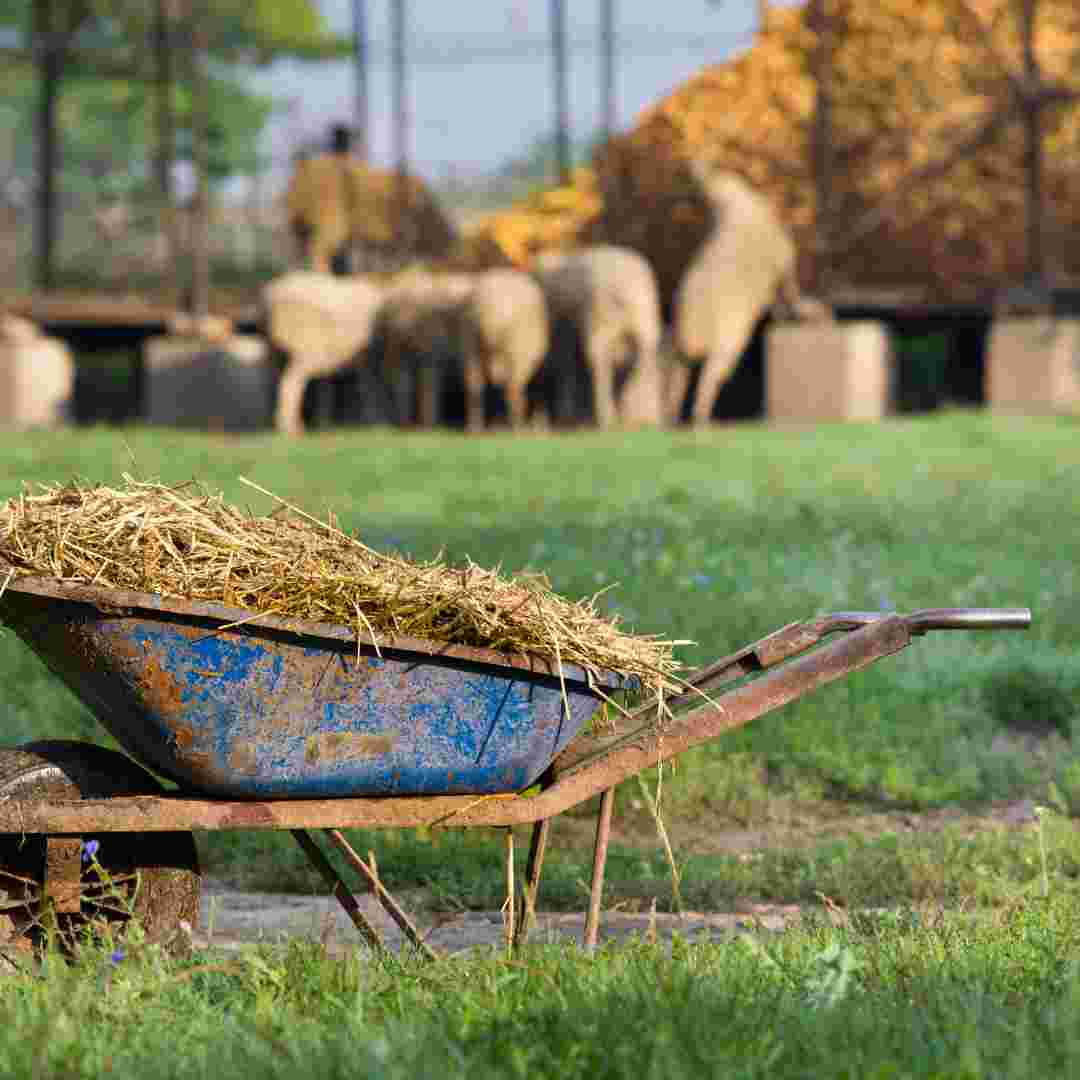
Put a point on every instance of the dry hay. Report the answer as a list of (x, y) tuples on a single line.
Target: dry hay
[(183, 542)]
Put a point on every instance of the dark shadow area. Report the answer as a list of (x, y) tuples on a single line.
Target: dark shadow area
[(108, 369), (938, 355)]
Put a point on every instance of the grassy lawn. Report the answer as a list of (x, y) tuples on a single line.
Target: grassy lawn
[(907, 994), (721, 537)]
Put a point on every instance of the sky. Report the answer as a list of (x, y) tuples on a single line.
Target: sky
[(480, 86)]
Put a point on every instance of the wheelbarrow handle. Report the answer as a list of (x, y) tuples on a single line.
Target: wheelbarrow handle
[(796, 638), (969, 619), (927, 619)]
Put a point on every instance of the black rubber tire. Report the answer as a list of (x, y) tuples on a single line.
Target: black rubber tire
[(167, 865)]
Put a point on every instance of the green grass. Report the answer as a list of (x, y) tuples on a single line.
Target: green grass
[(720, 536), (914, 993), (464, 869)]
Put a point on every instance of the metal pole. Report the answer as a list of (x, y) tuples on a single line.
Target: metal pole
[(361, 134), (527, 911), (398, 47), (607, 67), (508, 914), (340, 890), (596, 891), (562, 103)]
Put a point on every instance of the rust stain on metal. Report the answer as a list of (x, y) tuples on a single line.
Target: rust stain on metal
[(248, 816), (183, 737), (343, 745), (199, 762), (789, 641), (243, 759), (159, 686)]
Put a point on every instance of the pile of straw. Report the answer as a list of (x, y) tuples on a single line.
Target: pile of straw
[(183, 542)]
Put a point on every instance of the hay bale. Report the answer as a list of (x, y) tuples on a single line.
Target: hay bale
[(551, 218), (184, 542), (908, 85), (334, 199)]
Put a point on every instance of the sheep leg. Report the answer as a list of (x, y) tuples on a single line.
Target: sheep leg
[(474, 392), (721, 362), (516, 404), (288, 415), (603, 372), (399, 368), (428, 385), (678, 380)]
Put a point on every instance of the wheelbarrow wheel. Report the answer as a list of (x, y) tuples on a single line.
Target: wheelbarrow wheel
[(152, 878)]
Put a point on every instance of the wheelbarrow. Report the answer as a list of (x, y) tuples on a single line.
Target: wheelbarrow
[(264, 722)]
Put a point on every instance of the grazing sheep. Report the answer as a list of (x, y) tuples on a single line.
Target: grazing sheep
[(419, 327), (747, 259), (322, 322), (609, 295), (504, 336)]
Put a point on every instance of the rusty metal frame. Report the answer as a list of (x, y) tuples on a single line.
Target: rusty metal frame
[(593, 768)]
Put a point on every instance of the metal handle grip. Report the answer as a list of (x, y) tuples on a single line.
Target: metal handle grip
[(969, 619)]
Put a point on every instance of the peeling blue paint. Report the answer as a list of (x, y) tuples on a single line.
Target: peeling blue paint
[(242, 714)]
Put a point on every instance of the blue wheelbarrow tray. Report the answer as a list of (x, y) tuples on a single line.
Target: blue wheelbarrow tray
[(244, 707)]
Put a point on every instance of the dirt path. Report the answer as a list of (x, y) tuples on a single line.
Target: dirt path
[(232, 919)]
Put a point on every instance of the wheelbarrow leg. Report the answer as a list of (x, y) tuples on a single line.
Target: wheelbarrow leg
[(527, 911), (341, 891), (603, 833), (393, 909), (508, 910)]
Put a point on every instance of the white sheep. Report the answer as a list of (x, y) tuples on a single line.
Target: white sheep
[(609, 294), (746, 260), (322, 322), (504, 337)]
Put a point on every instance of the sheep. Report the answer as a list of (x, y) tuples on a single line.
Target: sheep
[(322, 322), (609, 294)]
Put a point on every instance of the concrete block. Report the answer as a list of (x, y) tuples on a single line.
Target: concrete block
[(1032, 365), (189, 383), (37, 383), (818, 372)]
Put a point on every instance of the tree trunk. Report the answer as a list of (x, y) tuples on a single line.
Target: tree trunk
[(48, 55), (199, 301), (1035, 268), (821, 149), (163, 157)]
